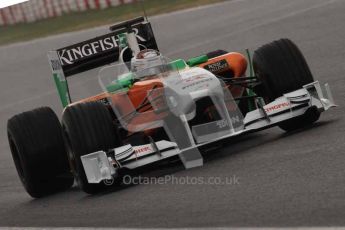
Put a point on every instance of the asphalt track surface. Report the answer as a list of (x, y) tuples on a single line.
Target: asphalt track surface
[(295, 179)]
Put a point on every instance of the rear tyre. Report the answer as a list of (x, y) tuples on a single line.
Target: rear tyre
[(282, 68), (88, 128), (38, 151), (216, 53)]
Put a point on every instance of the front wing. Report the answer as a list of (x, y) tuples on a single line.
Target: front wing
[(101, 166)]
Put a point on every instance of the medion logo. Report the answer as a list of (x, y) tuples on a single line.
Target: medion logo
[(69, 56), (143, 149), (277, 107)]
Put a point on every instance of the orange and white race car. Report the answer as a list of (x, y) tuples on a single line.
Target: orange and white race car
[(155, 109)]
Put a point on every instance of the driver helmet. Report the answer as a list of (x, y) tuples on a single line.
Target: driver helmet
[(147, 63)]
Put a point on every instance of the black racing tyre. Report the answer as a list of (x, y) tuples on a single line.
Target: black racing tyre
[(38, 151), (282, 68), (310, 116), (88, 128)]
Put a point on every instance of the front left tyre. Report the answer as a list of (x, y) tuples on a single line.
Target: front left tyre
[(281, 68), (38, 150)]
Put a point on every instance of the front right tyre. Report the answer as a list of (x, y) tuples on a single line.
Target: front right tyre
[(38, 151)]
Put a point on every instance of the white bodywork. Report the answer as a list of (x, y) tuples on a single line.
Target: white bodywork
[(181, 90)]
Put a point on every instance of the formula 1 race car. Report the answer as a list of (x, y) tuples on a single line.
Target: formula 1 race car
[(154, 109)]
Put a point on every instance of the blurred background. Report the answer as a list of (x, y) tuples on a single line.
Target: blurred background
[(40, 18), (34, 10)]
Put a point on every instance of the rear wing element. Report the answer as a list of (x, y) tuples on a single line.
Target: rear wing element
[(96, 52)]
